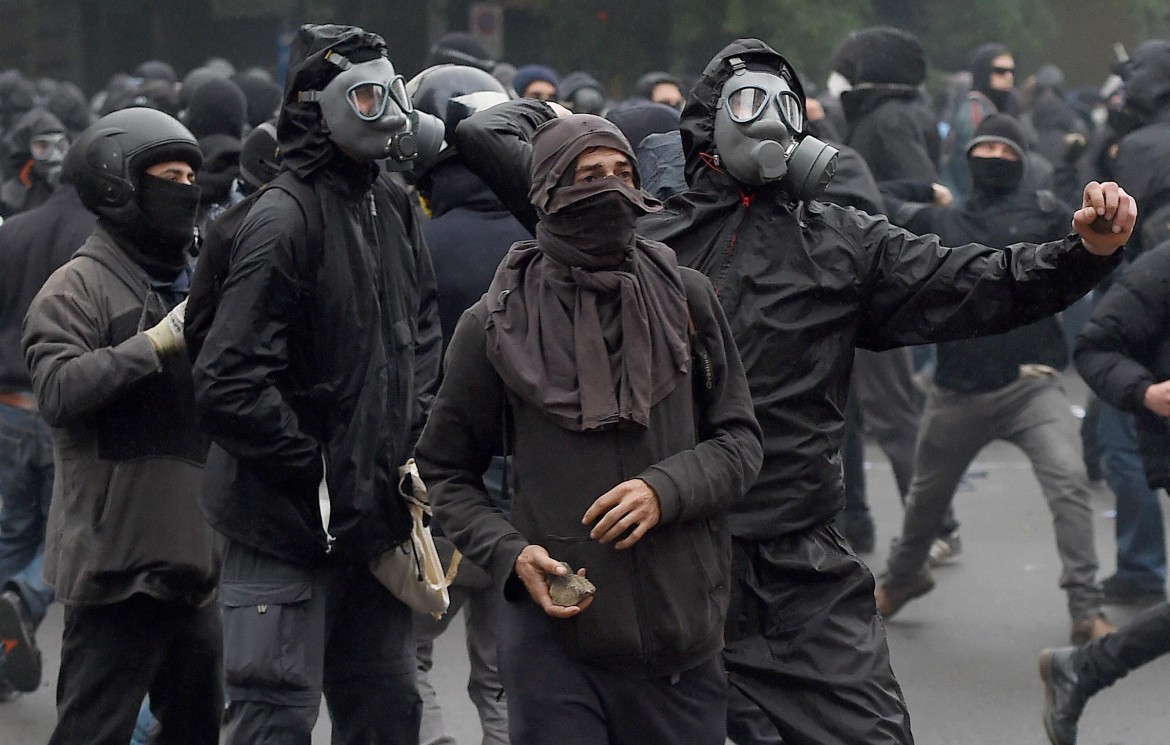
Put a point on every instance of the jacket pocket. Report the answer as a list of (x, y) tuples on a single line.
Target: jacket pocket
[(686, 581), (265, 627), (611, 626)]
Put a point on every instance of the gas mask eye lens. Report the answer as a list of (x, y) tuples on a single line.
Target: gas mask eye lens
[(401, 97), (790, 110), (369, 99), (746, 104)]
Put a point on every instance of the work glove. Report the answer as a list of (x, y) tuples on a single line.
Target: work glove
[(167, 335)]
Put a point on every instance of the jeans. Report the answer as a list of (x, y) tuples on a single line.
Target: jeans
[(26, 486), (1141, 539), (1034, 415)]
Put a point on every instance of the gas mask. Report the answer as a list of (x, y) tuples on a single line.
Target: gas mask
[(48, 155), (759, 123), (369, 114)]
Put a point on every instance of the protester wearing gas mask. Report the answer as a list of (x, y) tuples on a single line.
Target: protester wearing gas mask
[(104, 346), (1004, 386), (36, 147), (320, 362), (591, 342), (803, 282)]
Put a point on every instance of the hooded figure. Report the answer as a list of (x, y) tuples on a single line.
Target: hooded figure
[(889, 125), (992, 90), (592, 341), (1142, 164), (216, 116), (983, 70), (36, 146), (314, 379)]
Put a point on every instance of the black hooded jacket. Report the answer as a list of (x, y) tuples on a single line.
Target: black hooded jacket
[(1142, 165), (1125, 348), (802, 284), (324, 353), (889, 125)]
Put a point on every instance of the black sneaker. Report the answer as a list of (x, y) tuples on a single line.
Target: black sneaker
[(1064, 699), (22, 659), (1118, 591)]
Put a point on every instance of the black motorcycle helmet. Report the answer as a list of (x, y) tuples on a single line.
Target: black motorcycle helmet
[(111, 155), (444, 91)]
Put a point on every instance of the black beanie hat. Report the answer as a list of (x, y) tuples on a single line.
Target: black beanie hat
[(1000, 128), (218, 106)]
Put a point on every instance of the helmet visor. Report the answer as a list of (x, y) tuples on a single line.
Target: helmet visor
[(369, 99), (747, 104)]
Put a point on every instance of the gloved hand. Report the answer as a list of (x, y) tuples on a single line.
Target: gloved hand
[(167, 335)]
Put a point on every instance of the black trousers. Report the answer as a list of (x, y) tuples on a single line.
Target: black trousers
[(806, 646), (113, 655), (1103, 661), (556, 699), (293, 633)]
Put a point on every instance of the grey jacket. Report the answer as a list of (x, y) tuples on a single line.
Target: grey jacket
[(128, 454)]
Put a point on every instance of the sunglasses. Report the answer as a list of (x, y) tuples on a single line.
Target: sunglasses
[(1003, 70), (369, 99), (748, 104)]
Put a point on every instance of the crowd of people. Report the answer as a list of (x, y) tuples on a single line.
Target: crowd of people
[(231, 310)]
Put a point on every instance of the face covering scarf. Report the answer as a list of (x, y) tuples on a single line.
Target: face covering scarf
[(588, 323)]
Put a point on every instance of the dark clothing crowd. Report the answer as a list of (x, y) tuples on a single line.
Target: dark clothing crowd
[(292, 373)]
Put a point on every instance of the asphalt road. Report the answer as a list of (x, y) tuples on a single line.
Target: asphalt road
[(965, 654)]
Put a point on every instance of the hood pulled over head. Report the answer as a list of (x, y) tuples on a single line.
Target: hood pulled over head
[(555, 150), (304, 142), (698, 116)]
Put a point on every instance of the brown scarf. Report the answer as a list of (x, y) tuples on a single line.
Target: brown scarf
[(588, 322)]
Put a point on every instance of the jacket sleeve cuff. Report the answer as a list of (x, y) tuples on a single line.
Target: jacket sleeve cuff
[(669, 499)]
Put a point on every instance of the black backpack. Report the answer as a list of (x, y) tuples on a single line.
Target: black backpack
[(215, 255)]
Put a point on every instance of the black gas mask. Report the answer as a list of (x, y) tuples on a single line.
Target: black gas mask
[(759, 135)]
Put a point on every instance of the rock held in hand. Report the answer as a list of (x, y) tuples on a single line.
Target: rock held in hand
[(569, 589)]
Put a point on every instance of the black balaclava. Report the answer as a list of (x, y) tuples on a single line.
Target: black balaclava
[(981, 58), (1147, 84), (158, 234), (998, 176)]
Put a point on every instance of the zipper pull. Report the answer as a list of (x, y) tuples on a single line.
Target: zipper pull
[(373, 206)]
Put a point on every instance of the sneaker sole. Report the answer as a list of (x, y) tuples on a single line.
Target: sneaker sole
[(22, 660), (1046, 676)]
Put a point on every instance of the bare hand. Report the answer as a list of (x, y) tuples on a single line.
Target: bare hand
[(1157, 398), (942, 195), (1119, 210), (533, 566), (630, 504)]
